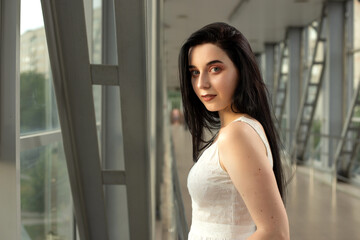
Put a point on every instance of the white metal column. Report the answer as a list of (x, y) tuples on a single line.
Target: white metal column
[(112, 150), (131, 50), (269, 67), (69, 57), (10, 221), (333, 85), (160, 107), (349, 59), (293, 89)]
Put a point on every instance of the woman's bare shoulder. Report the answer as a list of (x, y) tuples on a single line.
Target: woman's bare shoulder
[(238, 132), (239, 139)]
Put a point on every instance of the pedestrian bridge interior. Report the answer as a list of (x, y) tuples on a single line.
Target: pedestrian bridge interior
[(93, 144)]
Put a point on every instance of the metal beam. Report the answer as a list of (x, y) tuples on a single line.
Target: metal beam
[(112, 133), (293, 90), (160, 93), (104, 74), (333, 97), (131, 49), (40, 139), (112, 177), (270, 67), (66, 37), (9, 120)]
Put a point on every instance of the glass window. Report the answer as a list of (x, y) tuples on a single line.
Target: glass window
[(46, 203), (38, 110)]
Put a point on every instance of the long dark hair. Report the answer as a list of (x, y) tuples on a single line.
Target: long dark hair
[(250, 96)]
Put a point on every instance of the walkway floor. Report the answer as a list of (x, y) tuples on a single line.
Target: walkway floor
[(316, 208)]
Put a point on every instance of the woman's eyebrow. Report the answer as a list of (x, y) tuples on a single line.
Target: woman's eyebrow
[(214, 61), (208, 64)]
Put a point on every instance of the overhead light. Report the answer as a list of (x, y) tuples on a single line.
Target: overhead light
[(237, 9), (301, 1)]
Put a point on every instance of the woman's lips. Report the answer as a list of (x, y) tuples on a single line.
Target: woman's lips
[(208, 97)]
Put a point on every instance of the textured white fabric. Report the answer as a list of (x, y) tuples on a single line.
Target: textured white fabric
[(218, 211)]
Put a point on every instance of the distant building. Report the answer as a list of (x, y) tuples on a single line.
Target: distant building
[(34, 54)]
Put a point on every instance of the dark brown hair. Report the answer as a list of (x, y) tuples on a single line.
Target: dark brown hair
[(250, 97)]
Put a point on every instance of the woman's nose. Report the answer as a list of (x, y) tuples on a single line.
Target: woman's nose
[(203, 81)]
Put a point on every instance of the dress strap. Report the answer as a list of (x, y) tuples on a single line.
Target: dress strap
[(260, 132)]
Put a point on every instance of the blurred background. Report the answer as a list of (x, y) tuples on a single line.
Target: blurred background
[(92, 137)]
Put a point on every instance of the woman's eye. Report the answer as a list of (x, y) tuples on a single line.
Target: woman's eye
[(194, 73), (215, 69)]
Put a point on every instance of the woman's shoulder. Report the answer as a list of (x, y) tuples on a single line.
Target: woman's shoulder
[(239, 128), (237, 131), (241, 135)]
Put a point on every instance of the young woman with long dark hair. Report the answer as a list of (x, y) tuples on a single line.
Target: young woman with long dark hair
[(237, 183)]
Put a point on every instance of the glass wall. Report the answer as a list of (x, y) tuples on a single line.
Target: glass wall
[(314, 146), (46, 203)]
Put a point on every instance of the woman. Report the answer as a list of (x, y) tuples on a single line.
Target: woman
[(237, 184)]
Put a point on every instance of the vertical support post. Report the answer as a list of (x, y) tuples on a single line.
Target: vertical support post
[(293, 89), (259, 61), (305, 58), (349, 57), (69, 57), (10, 209), (333, 85), (159, 108), (131, 43), (269, 67), (151, 66), (112, 133)]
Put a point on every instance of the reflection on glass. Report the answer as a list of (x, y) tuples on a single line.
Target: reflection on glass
[(46, 205)]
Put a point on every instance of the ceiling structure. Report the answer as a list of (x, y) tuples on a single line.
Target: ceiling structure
[(261, 21)]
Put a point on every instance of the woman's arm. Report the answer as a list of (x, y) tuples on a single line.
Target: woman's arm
[(243, 155)]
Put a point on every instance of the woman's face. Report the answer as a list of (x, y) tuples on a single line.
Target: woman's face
[(214, 77)]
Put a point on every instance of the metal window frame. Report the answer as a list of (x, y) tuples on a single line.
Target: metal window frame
[(131, 54), (10, 222), (69, 57), (112, 149), (39, 139)]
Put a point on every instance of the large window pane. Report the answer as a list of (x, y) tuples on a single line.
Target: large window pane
[(46, 203), (37, 100)]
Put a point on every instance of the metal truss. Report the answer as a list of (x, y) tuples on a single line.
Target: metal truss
[(345, 158), (73, 80), (281, 85), (310, 94)]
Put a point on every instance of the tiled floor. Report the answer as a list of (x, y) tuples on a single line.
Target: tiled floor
[(316, 210)]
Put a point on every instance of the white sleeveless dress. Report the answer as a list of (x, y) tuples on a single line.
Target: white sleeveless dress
[(218, 211)]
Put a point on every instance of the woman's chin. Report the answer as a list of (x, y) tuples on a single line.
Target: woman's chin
[(211, 109)]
